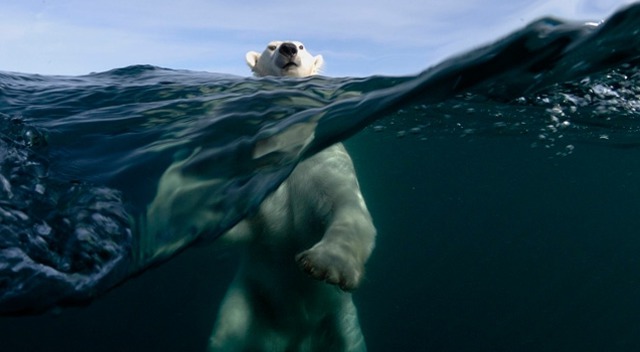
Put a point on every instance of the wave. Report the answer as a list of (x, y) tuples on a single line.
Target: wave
[(81, 156)]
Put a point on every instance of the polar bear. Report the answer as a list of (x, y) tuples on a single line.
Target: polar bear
[(284, 59), (317, 218)]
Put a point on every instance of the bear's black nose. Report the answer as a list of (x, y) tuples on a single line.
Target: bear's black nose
[(288, 49)]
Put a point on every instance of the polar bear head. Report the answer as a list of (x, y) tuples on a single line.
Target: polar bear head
[(284, 59)]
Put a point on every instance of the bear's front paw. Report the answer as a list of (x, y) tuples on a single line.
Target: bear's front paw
[(332, 266)]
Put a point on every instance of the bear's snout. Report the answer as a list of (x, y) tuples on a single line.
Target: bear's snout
[(288, 49), (284, 59)]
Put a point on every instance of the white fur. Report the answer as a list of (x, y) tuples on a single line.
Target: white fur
[(272, 62), (317, 218)]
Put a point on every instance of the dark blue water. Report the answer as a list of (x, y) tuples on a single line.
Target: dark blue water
[(503, 183)]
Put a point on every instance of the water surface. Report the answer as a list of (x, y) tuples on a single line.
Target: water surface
[(503, 183)]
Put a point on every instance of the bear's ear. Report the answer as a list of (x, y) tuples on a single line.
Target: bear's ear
[(252, 59), (318, 64)]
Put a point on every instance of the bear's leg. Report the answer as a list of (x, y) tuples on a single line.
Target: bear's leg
[(231, 330), (239, 326), (346, 335), (330, 180), (350, 328)]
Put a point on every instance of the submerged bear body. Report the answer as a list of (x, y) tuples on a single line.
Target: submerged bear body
[(304, 249)]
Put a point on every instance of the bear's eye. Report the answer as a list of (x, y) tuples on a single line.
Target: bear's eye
[(271, 47), (301, 47)]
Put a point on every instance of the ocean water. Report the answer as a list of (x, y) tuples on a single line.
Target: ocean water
[(504, 183)]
